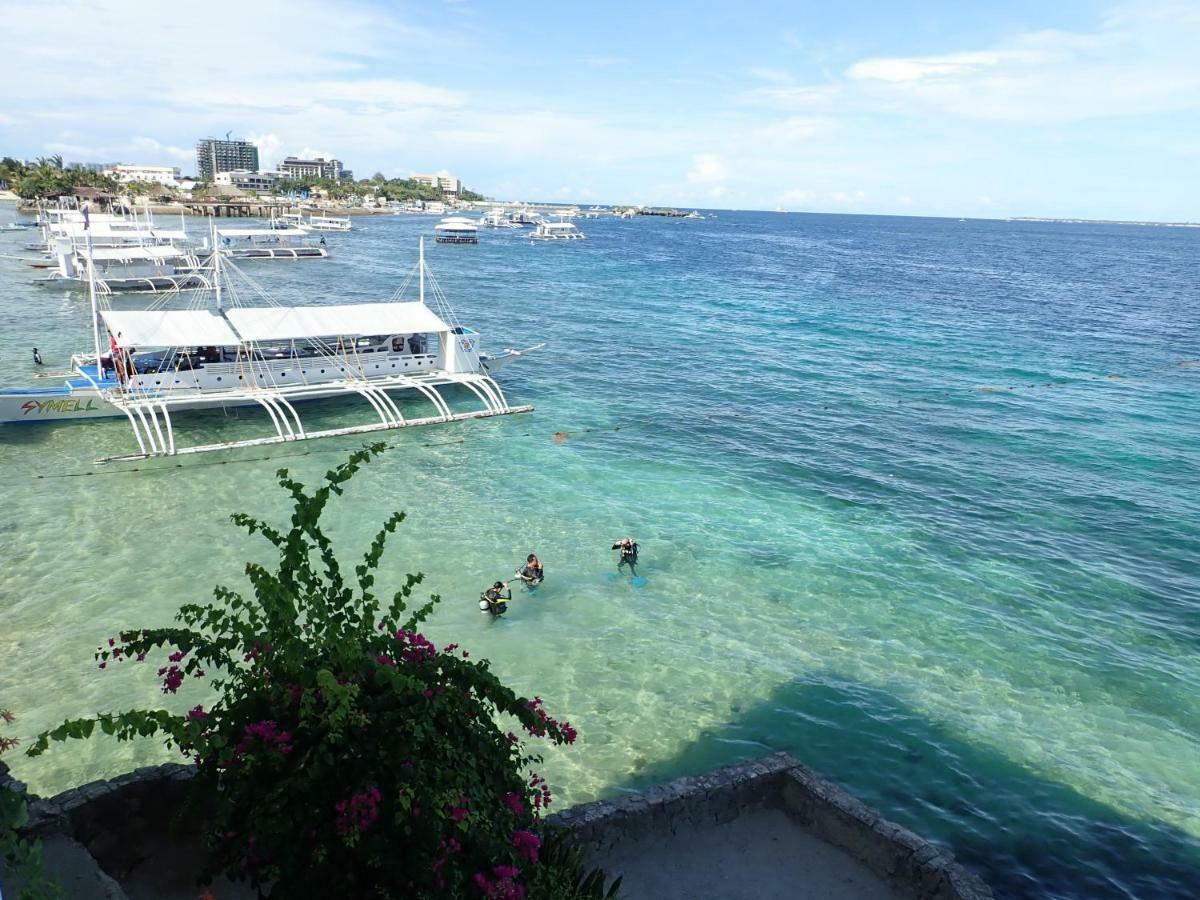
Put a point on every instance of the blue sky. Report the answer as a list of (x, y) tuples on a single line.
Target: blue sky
[(993, 109)]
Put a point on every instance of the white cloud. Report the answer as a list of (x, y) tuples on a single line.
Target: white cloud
[(900, 70), (706, 168), (1134, 64), (792, 96), (310, 153), (766, 73), (159, 150), (268, 148), (795, 197), (794, 129)]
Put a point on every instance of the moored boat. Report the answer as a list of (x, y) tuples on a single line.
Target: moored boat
[(557, 231), (162, 362), (456, 230)]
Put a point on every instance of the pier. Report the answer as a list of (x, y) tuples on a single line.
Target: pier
[(233, 209)]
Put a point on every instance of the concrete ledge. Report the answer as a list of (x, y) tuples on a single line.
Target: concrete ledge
[(910, 865), (118, 822)]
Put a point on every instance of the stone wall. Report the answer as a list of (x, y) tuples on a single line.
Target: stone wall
[(120, 822), (912, 866)]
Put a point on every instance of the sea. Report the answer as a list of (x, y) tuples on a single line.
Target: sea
[(918, 501)]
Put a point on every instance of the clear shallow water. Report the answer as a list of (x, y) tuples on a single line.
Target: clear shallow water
[(917, 501)]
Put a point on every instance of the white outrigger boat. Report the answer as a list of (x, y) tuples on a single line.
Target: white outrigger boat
[(280, 242), (329, 223), (232, 355), (561, 230)]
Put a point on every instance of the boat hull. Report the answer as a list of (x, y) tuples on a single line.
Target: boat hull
[(53, 405)]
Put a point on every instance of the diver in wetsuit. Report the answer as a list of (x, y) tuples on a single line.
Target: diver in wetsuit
[(532, 572), (493, 601), (629, 552)]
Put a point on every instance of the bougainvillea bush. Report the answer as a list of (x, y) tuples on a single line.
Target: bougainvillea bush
[(20, 857), (346, 756)]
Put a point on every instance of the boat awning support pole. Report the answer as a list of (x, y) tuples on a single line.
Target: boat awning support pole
[(95, 305)]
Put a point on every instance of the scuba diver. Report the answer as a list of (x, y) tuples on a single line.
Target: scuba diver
[(533, 572), (493, 601), (629, 552)]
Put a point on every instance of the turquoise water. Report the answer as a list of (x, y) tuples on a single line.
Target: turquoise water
[(917, 501)]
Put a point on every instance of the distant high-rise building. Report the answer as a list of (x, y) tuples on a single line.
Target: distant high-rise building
[(312, 168), (214, 155)]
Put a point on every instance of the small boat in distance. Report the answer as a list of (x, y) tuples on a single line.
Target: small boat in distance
[(456, 230), (556, 231), (497, 218)]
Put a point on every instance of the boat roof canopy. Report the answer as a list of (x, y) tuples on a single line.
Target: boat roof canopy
[(242, 325), (163, 251), (169, 328), (347, 320), (118, 230), (262, 232)]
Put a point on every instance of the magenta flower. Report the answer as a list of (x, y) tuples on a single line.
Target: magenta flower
[(513, 801), (527, 844)]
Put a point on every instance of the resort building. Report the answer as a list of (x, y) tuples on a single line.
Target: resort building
[(449, 185), (164, 175), (243, 180), (313, 168), (214, 156)]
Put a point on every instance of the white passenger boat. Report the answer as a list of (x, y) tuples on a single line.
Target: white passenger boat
[(270, 243), (130, 254), (152, 269), (162, 362), (456, 230), (329, 223), (556, 231), (497, 218)]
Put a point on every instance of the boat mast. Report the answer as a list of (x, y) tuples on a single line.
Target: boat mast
[(421, 266), (216, 262), (95, 304)]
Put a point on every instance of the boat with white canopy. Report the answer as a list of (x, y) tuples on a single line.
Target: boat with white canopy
[(164, 361), (329, 223), (270, 243), (556, 231), (152, 269), (456, 230), (497, 218), (130, 254)]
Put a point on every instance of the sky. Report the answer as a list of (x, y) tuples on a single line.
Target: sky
[(966, 108)]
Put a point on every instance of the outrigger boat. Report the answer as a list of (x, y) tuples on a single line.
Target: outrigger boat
[(280, 242), (230, 355)]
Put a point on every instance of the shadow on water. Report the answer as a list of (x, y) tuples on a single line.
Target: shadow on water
[(1026, 836)]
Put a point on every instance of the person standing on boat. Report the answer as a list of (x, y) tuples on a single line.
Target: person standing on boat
[(533, 572), (629, 552), (494, 600)]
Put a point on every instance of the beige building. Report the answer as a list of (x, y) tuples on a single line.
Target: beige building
[(449, 185), (125, 173)]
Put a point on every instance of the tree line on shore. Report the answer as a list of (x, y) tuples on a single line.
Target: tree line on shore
[(48, 177)]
